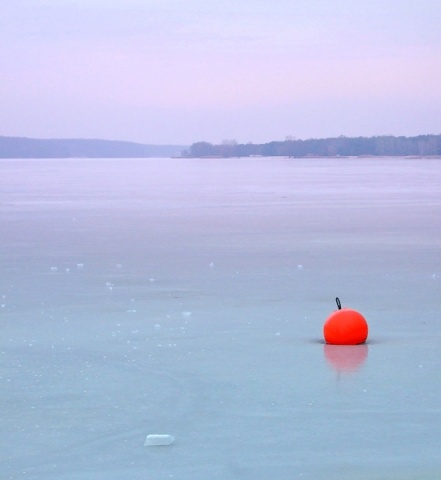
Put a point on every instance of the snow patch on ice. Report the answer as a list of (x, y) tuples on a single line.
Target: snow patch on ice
[(157, 440)]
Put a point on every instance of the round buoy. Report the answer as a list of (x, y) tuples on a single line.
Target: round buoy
[(345, 327)]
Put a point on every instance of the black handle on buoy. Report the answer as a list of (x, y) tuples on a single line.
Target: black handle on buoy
[(338, 303)]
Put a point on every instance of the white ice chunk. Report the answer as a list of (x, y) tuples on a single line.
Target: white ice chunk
[(186, 314), (300, 267), (156, 440)]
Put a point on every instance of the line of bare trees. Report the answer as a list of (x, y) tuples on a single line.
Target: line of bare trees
[(422, 145)]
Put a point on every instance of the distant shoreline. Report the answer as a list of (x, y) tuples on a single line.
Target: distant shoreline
[(22, 147), (335, 147), (328, 157), (419, 147)]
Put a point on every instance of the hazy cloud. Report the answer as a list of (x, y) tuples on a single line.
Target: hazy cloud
[(212, 62)]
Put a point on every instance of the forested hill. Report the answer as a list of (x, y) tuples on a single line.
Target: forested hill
[(422, 145), (16, 147)]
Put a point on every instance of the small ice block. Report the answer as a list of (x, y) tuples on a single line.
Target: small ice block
[(156, 440)]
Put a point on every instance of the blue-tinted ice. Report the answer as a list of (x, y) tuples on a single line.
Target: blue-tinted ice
[(188, 297)]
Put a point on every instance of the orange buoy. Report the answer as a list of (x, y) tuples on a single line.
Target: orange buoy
[(345, 327)]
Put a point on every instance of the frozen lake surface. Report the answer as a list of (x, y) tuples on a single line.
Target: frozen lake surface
[(187, 298)]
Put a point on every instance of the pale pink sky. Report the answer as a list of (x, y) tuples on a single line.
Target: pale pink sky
[(169, 71)]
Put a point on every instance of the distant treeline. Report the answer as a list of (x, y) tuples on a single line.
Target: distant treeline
[(17, 147), (422, 145)]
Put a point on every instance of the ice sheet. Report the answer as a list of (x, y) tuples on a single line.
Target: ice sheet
[(141, 296)]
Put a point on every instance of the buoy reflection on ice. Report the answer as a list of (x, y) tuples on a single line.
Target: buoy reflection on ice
[(345, 358)]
